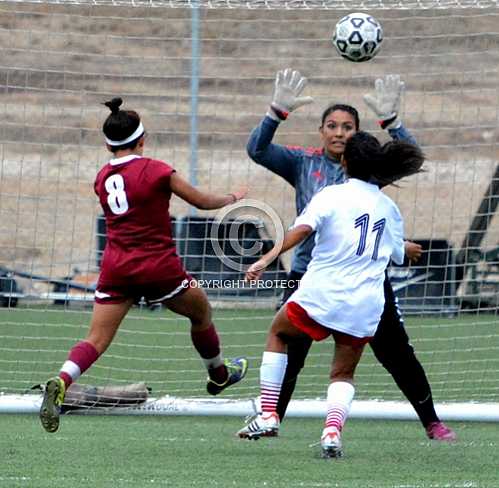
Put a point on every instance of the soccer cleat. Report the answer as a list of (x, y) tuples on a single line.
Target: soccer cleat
[(331, 443), (263, 425), (438, 431), (53, 399), (236, 370)]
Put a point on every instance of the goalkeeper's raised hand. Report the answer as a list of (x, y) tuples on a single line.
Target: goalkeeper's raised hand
[(385, 102), (289, 84)]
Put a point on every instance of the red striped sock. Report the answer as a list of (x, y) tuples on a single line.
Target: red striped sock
[(272, 372), (336, 416), (269, 395), (339, 398)]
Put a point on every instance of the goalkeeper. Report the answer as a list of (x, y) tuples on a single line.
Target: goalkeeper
[(308, 171)]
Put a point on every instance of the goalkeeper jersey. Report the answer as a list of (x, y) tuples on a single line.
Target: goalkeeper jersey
[(308, 170)]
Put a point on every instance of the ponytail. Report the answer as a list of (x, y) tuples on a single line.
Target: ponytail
[(114, 105), (366, 159), (398, 160), (122, 128)]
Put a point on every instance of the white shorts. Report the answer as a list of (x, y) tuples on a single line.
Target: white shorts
[(353, 312)]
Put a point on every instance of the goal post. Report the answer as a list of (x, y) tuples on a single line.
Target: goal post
[(201, 83)]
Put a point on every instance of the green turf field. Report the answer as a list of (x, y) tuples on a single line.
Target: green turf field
[(460, 356), (133, 452)]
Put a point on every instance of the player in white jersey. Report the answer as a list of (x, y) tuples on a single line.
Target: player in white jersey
[(358, 230), (343, 286)]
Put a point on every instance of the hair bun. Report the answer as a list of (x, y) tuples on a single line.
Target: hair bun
[(114, 104)]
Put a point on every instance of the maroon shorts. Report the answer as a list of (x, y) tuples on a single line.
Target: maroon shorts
[(299, 317), (153, 292)]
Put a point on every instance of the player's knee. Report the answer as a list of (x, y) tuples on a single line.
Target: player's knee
[(200, 321), (391, 353), (396, 359), (200, 313)]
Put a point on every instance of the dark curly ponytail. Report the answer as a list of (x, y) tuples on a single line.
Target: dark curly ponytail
[(398, 160), (366, 159)]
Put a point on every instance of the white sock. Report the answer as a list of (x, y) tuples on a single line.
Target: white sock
[(213, 363), (339, 399), (71, 369), (272, 372)]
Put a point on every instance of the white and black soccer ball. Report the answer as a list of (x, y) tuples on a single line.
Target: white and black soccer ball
[(358, 37)]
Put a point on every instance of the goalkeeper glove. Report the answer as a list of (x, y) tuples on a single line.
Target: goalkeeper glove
[(385, 103), (288, 87)]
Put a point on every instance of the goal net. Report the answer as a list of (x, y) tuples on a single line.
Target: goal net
[(201, 75)]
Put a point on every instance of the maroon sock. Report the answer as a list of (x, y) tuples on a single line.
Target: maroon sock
[(80, 358), (219, 374), (207, 344), (66, 377)]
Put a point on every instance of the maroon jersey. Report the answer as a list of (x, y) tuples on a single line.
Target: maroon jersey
[(134, 193)]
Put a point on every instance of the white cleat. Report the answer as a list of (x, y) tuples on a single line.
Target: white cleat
[(263, 425), (331, 443)]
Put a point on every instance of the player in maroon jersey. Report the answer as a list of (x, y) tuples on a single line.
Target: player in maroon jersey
[(140, 259)]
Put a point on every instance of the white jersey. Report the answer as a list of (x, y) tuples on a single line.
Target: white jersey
[(358, 229)]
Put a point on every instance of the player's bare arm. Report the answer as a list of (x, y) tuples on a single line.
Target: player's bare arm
[(201, 199), (292, 238)]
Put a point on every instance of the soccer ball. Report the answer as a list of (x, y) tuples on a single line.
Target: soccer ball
[(358, 37)]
